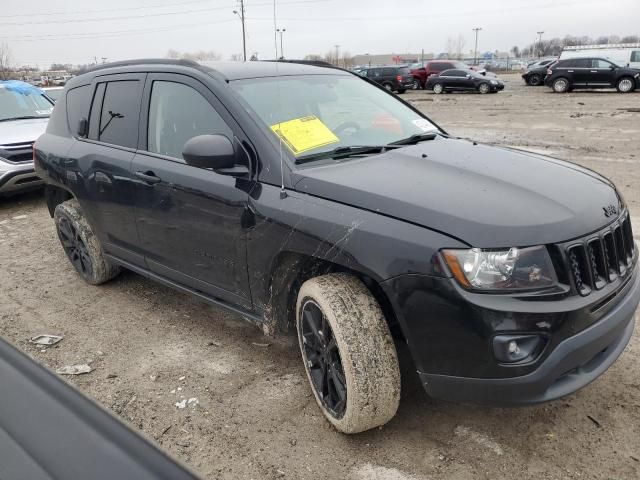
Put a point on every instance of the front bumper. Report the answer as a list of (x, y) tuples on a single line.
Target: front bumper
[(449, 334), (18, 177), (573, 364)]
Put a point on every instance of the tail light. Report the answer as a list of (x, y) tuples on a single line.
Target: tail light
[(399, 78)]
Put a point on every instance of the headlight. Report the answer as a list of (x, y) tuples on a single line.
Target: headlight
[(494, 82), (513, 269), (4, 166)]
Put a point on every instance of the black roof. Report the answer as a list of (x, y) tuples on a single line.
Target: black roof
[(233, 70)]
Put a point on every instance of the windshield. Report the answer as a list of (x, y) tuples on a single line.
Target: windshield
[(319, 113), (21, 100)]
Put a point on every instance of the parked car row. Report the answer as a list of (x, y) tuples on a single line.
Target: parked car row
[(583, 73)]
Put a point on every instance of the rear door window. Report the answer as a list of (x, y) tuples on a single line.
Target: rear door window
[(582, 63), (120, 112), (388, 72), (635, 56), (599, 63)]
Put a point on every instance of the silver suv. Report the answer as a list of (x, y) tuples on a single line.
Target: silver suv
[(24, 113)]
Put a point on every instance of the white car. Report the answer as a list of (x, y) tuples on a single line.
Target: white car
[(24, 113)]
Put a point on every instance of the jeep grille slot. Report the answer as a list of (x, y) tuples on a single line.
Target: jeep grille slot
[(620, 250), (610, 256), (580, 270), (597, 262)]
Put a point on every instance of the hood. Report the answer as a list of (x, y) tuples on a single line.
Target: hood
[(22, 131), (485, 196)]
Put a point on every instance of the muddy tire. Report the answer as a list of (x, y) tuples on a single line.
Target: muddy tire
[(348, 352), (81, 246)]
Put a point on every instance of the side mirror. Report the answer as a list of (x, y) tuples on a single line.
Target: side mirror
[(83, 128), (209, 151)]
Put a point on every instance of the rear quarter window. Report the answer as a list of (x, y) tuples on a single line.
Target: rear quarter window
[(403, 71), (78, 104), (635, 56)]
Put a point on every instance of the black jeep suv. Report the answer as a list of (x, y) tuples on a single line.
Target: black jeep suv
[(306, 197), (566, 75)]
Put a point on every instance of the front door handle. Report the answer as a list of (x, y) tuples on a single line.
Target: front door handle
[(148, 177)]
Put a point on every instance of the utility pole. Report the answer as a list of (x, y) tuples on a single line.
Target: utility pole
[(540, 44), (244, 38), (337, 55), (281, 31), (475, 51)]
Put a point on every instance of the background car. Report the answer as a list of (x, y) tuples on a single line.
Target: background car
[(393, 78), (566, 75), (24, 113), (421, 74), (536, 71), (463, 80)]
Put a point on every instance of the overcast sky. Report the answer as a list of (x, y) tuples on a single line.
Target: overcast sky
[(74, 31)]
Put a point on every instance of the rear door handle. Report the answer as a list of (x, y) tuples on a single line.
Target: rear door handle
[(148, 177)]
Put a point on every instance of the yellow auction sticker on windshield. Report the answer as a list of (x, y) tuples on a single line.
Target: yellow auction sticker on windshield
[(303, 134)]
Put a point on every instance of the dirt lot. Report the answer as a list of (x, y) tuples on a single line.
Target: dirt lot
[(255, 418)]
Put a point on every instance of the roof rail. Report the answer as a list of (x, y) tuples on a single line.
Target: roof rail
[(146, 61), (603, 46)]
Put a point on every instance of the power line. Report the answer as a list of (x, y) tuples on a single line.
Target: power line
[(80, 36), (78, 12)]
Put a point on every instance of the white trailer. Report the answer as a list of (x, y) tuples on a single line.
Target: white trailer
[(623, 54)]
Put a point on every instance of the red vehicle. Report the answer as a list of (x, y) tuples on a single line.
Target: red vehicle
[(421, 72)]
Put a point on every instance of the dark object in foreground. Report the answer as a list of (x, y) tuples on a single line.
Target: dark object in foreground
[(49, 430)]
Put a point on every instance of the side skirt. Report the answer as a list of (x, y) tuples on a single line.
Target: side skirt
[(246, 314)]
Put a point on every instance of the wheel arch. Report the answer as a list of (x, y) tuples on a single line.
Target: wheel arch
[(55, 195), (290, 270)]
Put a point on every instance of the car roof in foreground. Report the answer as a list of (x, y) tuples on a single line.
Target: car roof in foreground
[(242, 70), (229, 70)]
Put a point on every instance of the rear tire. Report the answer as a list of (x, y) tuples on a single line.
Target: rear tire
[(347, 349), (534, 80), (416, 84), (388, 87), (401, 91), (626, 85), (560, 85), (438, 88), (80, 244)]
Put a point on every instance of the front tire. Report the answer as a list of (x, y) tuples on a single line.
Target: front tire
[(560, 85), (348, 352), (416, 84), (625, 85), (80, 244), (484, 88)]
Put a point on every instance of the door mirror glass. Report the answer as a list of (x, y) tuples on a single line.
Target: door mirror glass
[(209, 151)]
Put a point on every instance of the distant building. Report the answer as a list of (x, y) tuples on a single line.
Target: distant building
[(390, 58)]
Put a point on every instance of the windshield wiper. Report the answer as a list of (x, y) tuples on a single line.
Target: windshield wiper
[(417, 138), (26, 117), (344, 152)]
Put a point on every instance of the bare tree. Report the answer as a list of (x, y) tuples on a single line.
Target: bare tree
[(5, 61), (199, 56), (236, 57), (460, 43), (630, 39)]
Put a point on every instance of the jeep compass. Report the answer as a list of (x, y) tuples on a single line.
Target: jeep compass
[(312, 199)]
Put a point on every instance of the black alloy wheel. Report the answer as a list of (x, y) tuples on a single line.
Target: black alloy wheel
[(75, 247), (322, 359)]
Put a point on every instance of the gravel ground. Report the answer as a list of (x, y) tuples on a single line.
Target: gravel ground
[(255, 417)]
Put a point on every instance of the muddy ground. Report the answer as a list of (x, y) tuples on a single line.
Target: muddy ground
[(256, 418)]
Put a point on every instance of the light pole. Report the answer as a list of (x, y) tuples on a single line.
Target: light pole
[(475, 51), (540, 44), (240, 14), (281, 32)]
